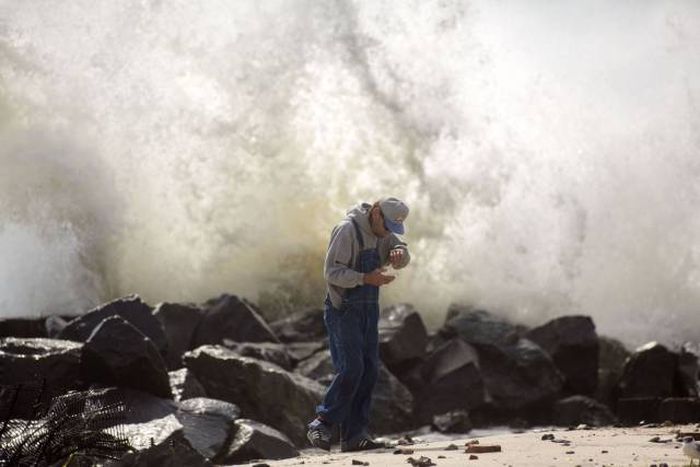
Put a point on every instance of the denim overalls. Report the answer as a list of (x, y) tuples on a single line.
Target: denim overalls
[(354, 346)]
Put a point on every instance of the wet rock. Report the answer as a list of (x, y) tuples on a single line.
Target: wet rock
[(402, 337), (184, 385), (208, 424), (179, 323), (612, 355), (231, 317), (262, 390), (686, 378), (55, 324), (23, 327), (451, 381), (680, 409), (254, 440), (129, 308), (632, 410), (572, 343), (304, 326), (269, 351), (575, 410), (457, 421), (173, 451), (32, 362), (649, 372), (478, 326), (116, 353), (318, 367)]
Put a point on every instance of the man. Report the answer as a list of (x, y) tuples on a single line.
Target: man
[(361, 246)]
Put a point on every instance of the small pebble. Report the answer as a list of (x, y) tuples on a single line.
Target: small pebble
[(452, 447), (403, 451), (604, 451), (422, 461), (548, 437), (473, 457), (442, 457), (570, 452)]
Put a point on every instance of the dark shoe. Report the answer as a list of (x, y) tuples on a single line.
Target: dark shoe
[(319, 435), (363, 444)]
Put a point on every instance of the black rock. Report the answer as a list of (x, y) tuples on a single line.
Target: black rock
[(649, 372), (299, 351), (208, 424), (116, 353), (179, 323), (679, 410), (184, 385), (262, 390), (319, 367), (402, 337), (129, 308), (575, 410), (612, 355), (23, 327), (686, 378), (478, 326), (572, 343), (173, 451), (457, 421), (254, 440), (230, 317), (269, 351), (633, 410), (303, 326), (33, 363)]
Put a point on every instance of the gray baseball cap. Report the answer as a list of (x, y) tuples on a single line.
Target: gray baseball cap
[(395, 213)]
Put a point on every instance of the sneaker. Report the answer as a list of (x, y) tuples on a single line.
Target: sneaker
[(363, 444), (319, 435)]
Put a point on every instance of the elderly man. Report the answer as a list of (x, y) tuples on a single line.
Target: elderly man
[(361, 246)]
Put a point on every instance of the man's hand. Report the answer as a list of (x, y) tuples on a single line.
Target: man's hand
[(377, 278), (396, 257)]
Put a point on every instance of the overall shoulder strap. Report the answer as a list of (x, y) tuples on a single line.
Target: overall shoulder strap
[(358, 234)]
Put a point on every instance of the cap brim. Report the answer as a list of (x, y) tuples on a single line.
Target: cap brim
[(395, 227)]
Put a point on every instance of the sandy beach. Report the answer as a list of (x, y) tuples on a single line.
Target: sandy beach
[(592, 447)]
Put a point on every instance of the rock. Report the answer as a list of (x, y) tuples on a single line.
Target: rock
[(649, 372), (254, 440), (30, 362), (184, 385), (612, 355), (633, 410), (457, 421), (686, 378), (299, 351), (208, 424), (478, 326), (54, 324), (116, 353), (318, 367), (268, 351), (129, 308), (575, 410), (230, 317), (402, 337), (173, 451), (680, 409), (482, 448), (303, 326), (262, 390), (572, 343), (23, 327), (451, 380), (179, 323)]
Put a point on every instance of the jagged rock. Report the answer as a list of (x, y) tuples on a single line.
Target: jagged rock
[(303, 326), (302, 350), (402, 337), (54, 324), (254, 440), (129, 308), (456, 421), (612, 355), (633, 410), (23, 327), (686, 378), (30, 362), (478, 326), (319, 367), (262, 390), (572, 343), (230, 317), (649, 372), (268, 351), (575, 410), (184, 385), (173, 451), (208, 424), (116, 353), (179, 323), (680, 410), (450, 379)]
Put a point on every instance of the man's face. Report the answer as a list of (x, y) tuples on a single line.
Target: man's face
[(376, 222)]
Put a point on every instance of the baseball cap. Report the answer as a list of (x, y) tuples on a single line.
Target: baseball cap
[(395, 212)]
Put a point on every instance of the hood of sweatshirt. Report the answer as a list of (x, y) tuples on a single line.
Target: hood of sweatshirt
[(360, 214)]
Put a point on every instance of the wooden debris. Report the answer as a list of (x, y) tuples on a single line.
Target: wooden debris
[(480, 449)]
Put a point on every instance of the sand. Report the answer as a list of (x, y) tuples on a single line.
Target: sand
[(592, 447)]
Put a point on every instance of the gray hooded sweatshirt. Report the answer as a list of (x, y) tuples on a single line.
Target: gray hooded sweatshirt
[(344, 249)]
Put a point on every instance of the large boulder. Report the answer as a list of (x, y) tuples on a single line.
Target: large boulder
[(680, 410), (612, 355), (179, 322), (686, 380), (477, 326), (300, 351), (208, 424), (319, 367), (402, 337), (231, 317), (303, 326), (634, 410), (254, 440), (43, 367), (184, 385), (116, 353), (263, 391), (649, 372), (268, 351), (129, 308), (173, 451), (450, 380), (572, 343), (575, 410), (23, 327)]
